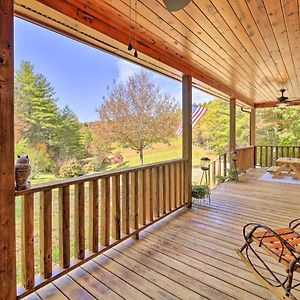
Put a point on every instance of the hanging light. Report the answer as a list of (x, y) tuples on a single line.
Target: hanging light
[(129, 29), (282, 105), (135, 29)]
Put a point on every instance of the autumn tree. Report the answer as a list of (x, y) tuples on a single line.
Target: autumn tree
[(137, 114)]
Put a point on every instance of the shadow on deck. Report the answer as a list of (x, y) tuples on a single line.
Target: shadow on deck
[(188, 255)]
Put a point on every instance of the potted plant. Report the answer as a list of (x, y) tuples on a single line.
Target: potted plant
[(200, 191)]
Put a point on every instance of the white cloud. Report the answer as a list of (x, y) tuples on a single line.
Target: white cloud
[(167, 85)]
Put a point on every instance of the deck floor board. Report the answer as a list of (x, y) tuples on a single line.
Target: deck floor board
[(190, 254)]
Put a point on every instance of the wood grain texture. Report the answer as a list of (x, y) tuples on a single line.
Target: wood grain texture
[(116, 208), (93, 215), (7, 174), (125, 203), (64, 226), (105, 212), (46, 233), (79, 221), (27, 247), (187, 134)]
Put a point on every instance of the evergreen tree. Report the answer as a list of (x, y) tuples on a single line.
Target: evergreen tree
[(39, 121)]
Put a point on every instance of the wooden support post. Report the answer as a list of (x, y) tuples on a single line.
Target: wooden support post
[(232, 131), (252, 126), (7, 180), (187, 134), (253, 133)]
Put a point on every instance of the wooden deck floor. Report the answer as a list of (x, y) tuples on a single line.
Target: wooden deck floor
[(188, 255)]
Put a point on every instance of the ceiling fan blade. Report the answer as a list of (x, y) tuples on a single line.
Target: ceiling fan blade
[(294, 99), (174, 5)]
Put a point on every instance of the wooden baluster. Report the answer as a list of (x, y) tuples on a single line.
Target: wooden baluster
[(267, 156), (64, 226), (125, 203), (79, 218), (182, 183), (141, 205), (46, 233), (134, 200), (154, 192), (172, 186), (219, 166), (293, 151), (116, 209), (93, 216), (177, 184), (146, 194), (161, 190), (271, 156), (105, 212), (27, 246), (276, 153), (260, 156), (225, 164), (214, 173), (167, 187), (150, 206), (288, 151)]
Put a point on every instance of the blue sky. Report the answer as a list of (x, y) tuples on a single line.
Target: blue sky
[(80, 74)]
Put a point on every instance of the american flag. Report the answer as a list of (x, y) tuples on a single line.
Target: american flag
[(197, 113)]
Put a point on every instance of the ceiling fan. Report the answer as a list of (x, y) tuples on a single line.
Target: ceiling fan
[(283, 101), (174, 5)]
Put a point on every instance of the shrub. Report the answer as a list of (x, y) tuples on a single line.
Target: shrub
[(40, 159), (89, 167), (70, 168)]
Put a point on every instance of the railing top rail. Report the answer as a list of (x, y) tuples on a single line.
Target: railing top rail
[(278, 146), (91, 177)]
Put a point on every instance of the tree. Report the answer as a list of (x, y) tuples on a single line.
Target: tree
[(213, 129), (36, 107), (40, 122), (137, 115)]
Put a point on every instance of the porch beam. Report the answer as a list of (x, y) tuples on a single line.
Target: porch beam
[(252, 127), (187, 134), (232, 124), (7, 180)]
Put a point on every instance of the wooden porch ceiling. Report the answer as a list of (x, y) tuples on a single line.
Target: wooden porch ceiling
[(245, 49)]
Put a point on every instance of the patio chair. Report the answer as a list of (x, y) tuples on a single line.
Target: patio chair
[(282, 244)]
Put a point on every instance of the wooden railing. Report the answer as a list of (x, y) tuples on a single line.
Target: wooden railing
[(245, 159), (124, 201), (221, 165), (266, 156), (217, 167)]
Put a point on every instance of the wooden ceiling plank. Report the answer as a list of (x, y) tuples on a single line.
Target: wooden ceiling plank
[(161, 30), (142, 35), (291, 15), (260, 14), (203, 40), (249, 25), (233, 26), (225, 30), (232, 54), (276, 19), (113, 32)]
